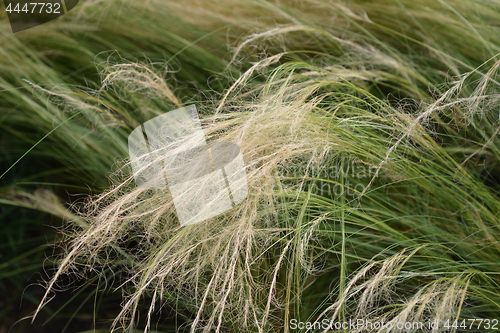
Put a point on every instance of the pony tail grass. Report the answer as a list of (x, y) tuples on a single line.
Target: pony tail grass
[(360, 189)]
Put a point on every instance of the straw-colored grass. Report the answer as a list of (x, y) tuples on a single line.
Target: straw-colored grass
[(393, 104)]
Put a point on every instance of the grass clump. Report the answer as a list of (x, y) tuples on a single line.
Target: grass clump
[(372, 164)]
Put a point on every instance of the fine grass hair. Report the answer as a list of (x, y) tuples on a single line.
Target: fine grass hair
[(371, 153)]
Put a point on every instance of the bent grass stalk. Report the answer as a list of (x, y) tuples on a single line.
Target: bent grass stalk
[(417, 243)]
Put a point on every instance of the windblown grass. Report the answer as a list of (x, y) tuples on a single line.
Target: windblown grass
[(43, 146), (401, 97)]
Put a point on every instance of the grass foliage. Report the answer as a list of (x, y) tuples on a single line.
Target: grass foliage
[(370, 134)]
